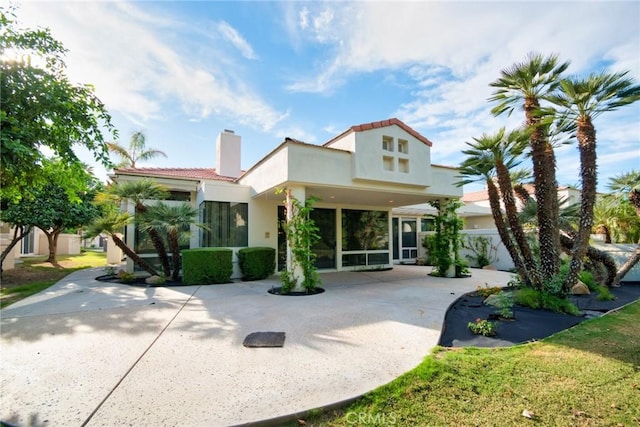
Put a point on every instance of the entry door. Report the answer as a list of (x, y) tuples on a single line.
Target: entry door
[(408, 239)]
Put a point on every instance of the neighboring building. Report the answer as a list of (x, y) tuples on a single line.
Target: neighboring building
[(362, 178)]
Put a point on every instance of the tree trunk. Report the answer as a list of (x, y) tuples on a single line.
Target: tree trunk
[(175, 251), (158, 244), (595, 255), (522, 193), (19, 232), (52, 240), (633, 260), (134, 256), (546, 191), (503, 232), (504, 180), (586, 136)]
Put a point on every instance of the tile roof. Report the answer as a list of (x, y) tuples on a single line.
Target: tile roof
[(382, 124), (178, 173)]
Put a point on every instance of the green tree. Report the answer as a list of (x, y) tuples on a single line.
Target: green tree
[(64, 203), (627, 187), (503, 150), (51, 211), (140, 192), (525, 85), (481, 167), (39, 107), (582, 100), (137, 151), (176, 222), (112, 222)]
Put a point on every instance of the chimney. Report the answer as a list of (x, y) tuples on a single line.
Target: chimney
[(228, 154)]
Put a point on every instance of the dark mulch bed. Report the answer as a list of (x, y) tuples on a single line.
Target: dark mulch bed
[(529, 324), (278, 291)]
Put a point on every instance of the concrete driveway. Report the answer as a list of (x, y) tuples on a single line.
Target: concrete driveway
[(85, 352)]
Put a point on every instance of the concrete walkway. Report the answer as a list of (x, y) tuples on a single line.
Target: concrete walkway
[(85, 352)]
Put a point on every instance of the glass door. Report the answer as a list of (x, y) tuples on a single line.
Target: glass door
[(409, 239)]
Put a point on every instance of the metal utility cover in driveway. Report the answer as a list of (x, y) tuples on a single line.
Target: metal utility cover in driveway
[(264, 339)]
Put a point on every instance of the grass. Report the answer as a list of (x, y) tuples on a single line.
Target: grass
[(584, 376), (35, 275)]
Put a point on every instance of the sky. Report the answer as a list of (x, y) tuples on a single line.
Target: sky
[(182, 72)]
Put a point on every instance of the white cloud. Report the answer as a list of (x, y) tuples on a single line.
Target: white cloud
[(137, 61), (232, 36)]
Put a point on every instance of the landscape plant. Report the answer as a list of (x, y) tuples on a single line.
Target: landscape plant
[(301, 234), (483, 327), (484, 252), (448, 240)]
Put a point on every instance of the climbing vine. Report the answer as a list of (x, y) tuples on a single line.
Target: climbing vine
[(301, 233), (448, 240)]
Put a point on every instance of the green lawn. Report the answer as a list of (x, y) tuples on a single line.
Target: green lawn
[(34, 275), (586, 376)]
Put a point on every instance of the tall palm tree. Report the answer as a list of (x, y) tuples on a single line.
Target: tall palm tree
[(139, 192), (137, 150), (112, 223), (176, 221), (504, 149), (518, 179), (583, 100), (479, 166), (525, 85)]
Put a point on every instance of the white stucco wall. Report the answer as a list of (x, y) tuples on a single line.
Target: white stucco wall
[(369, 155)]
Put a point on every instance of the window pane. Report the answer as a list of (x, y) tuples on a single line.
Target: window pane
[(364, 230), (228, 223)]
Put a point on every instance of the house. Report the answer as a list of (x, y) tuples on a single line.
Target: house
[(362, 179)]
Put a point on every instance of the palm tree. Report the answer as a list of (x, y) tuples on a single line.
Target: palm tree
[(480, 167), (524, 85), (629, 184), (504, 149), (112, 223), (518, 179), (137, 150), (583, 100), (139, 192), (176, 221)]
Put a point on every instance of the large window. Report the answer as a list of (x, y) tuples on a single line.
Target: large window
[(365, 237), (228, 224)]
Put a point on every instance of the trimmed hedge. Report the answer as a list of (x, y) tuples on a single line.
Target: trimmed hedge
[(203, 266), (257, 263)]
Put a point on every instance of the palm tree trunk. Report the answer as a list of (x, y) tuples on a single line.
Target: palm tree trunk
[(595, 255), (504, 180), (158, 244), (586, 136), (134, 256), (503, 232), (633, 260), (522, 193), (175, 252), (546, 191)]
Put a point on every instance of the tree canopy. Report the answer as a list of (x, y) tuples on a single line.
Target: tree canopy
[(40, 108)]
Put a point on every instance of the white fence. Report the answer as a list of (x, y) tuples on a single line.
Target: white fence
[(619, 252)]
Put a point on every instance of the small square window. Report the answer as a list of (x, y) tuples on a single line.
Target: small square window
[(387, 143), (403, 165), (387, 163), (403, 146)]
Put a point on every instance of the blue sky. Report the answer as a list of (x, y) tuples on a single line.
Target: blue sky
[(184, 71)]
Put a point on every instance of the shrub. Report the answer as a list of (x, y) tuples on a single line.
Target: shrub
[(537, 300), (203, 266), (482, 327), (488, 290), (257, 263), (504, 304), (603, 293)]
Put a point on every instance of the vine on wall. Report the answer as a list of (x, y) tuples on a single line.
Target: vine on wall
[(448, 240), (301, 232)]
